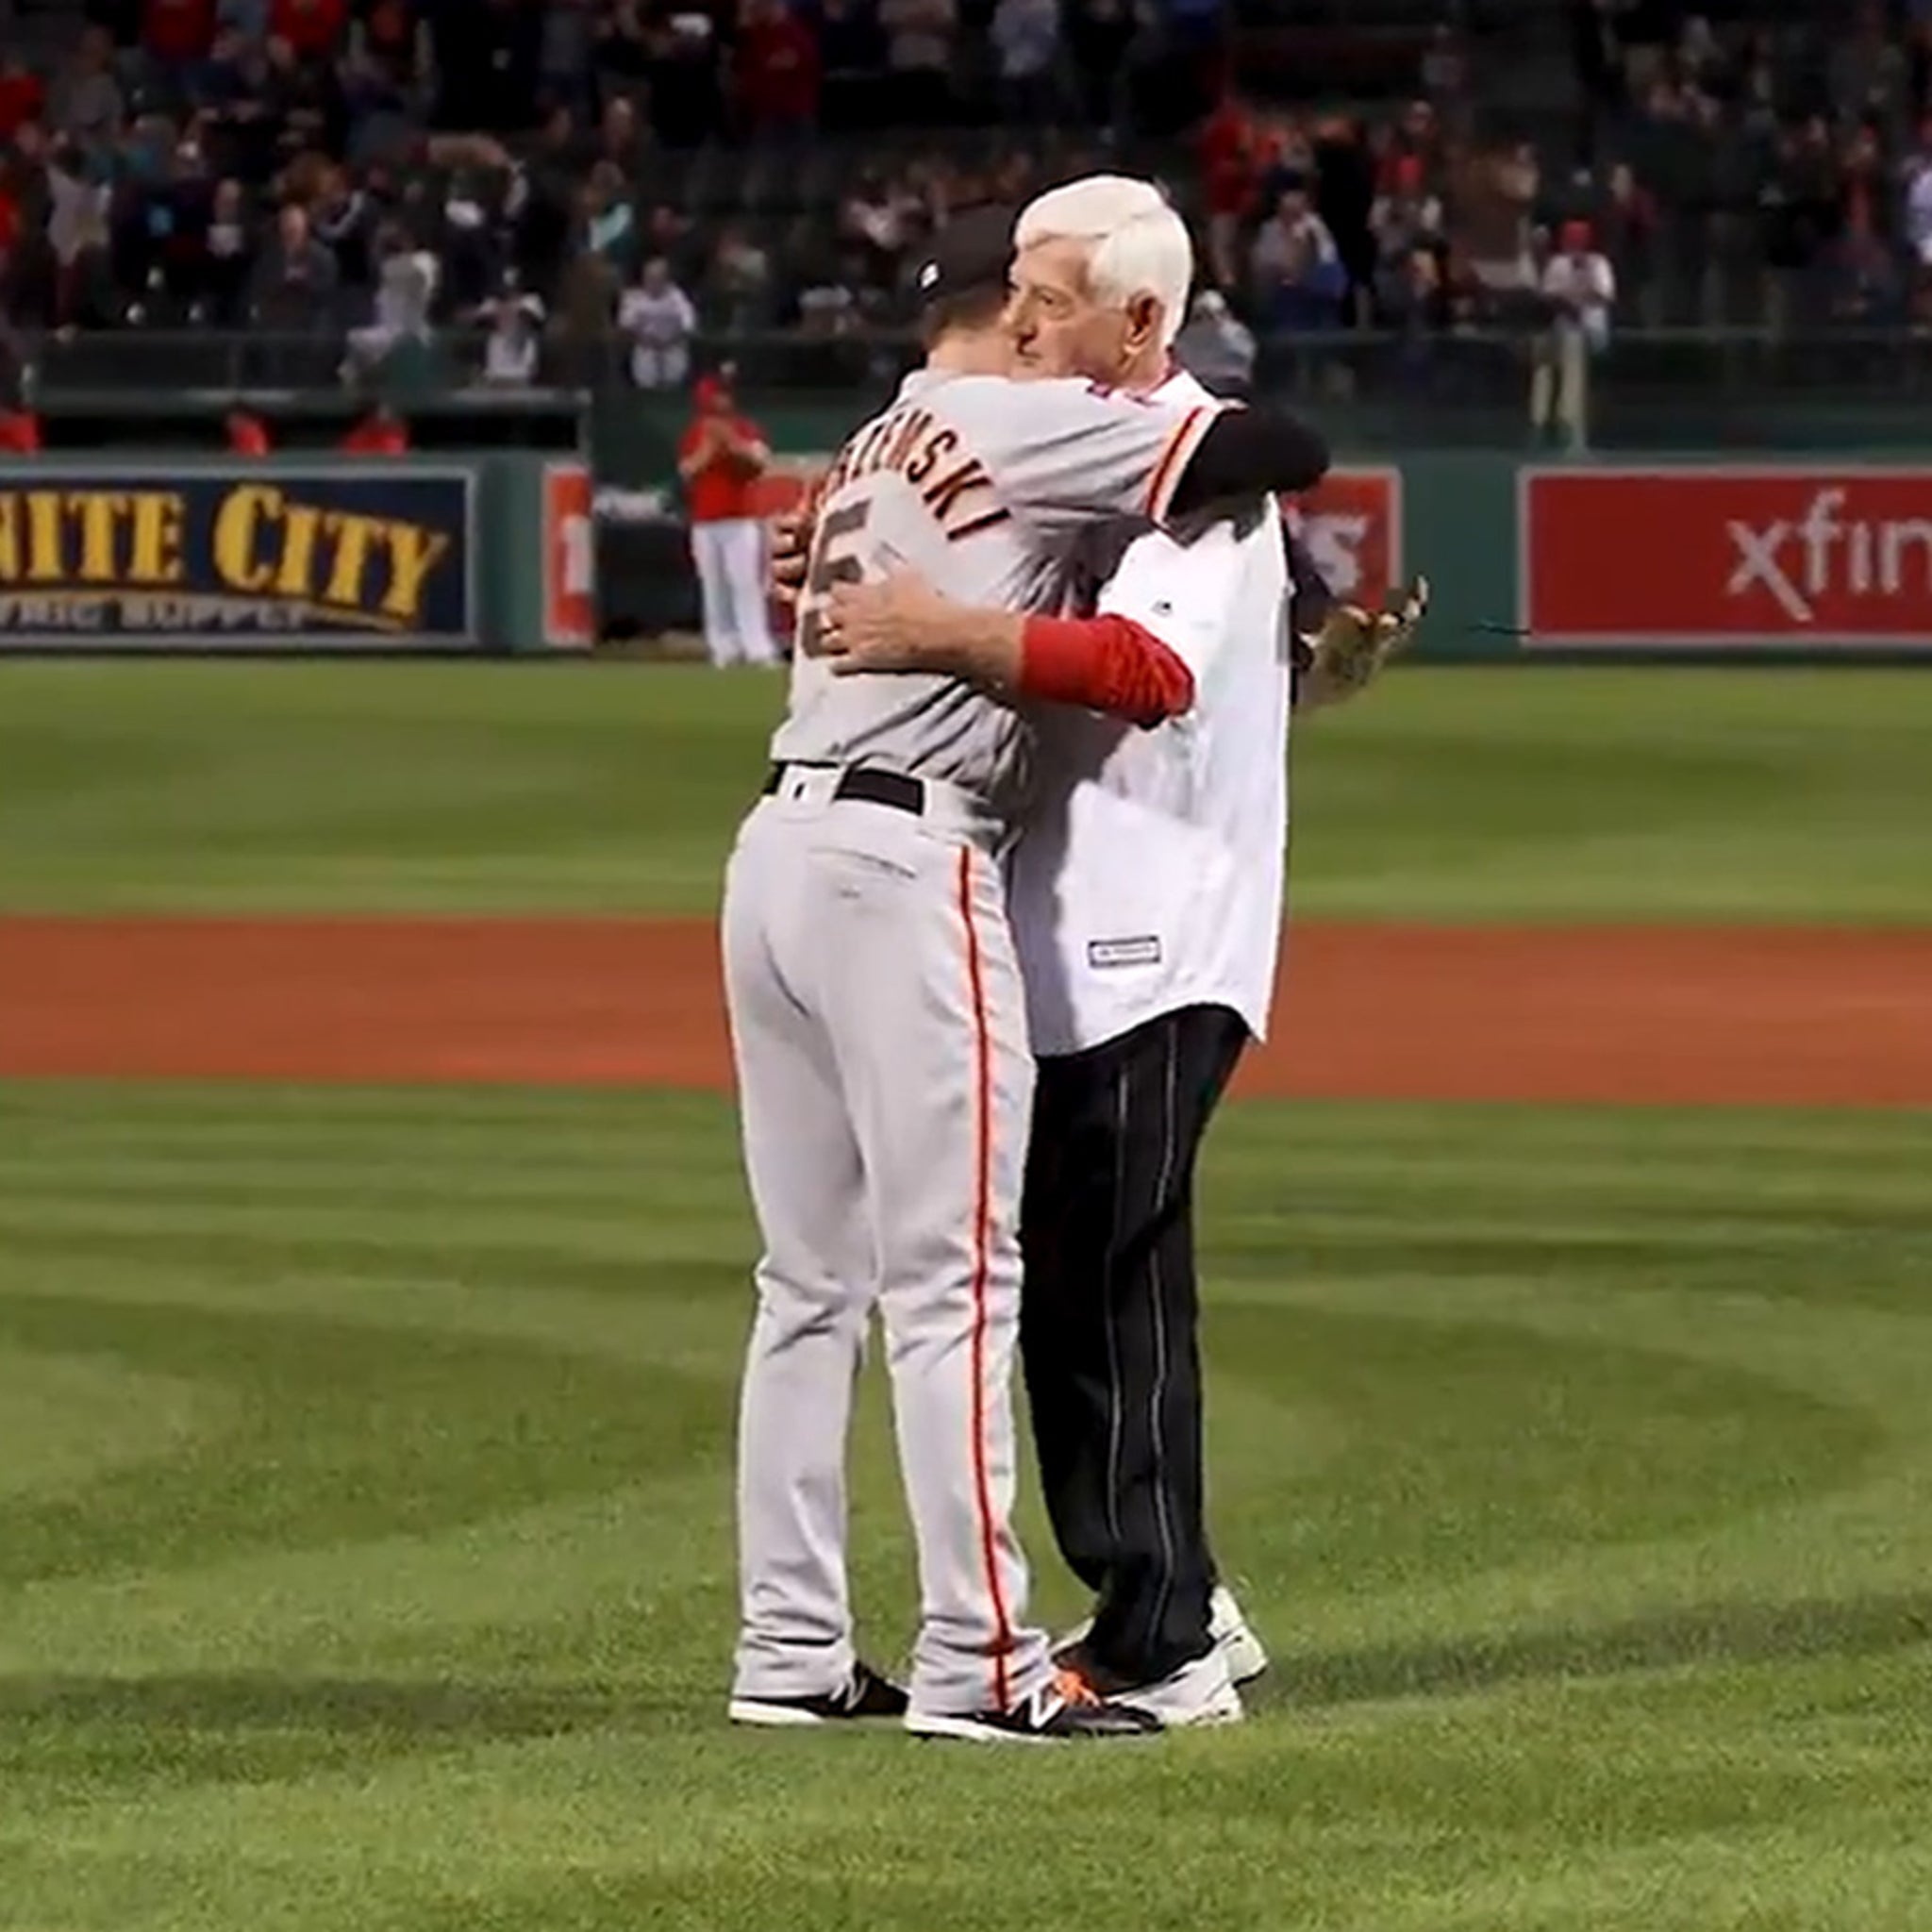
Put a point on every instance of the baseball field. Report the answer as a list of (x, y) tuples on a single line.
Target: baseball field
[(372, 1272)]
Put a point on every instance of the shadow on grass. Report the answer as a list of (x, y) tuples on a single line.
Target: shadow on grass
[(1723, 1633), (432, 1710), (139, 1734), (398, 1715)]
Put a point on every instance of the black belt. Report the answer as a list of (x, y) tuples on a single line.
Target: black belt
[(866, 783)]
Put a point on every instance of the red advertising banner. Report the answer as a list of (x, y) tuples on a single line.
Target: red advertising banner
[(570, 552), (1352, 524), (1724, 555)]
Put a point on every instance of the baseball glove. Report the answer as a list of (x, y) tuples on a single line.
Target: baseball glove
[(1353, 646)]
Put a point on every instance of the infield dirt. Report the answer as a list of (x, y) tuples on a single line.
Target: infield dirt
[(1745, 1016)]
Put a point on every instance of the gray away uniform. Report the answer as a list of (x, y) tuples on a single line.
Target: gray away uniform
[(884, 1073)]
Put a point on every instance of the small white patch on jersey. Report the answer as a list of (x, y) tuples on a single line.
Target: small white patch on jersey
[(1142, 951), (929, 275)]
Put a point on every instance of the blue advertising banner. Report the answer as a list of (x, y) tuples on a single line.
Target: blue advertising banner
[(239, 556)]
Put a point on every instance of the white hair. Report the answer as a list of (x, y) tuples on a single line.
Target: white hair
[(1136, 244)]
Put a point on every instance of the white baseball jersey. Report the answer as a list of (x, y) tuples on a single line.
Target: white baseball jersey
[(987, 488), (1149, 876)]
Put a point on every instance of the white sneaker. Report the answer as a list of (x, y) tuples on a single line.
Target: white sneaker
[(1246, 1659), (1233, 1638), (1200, 1692)]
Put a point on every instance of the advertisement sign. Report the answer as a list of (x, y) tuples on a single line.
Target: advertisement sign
[(235, 557), (569, 559), (1726, 555), (1352, 524)]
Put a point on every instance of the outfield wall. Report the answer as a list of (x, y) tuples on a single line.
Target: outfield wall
[(1664, 557), (1669, 558), (310, 555)]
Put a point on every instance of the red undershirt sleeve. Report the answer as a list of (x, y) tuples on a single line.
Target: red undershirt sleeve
[(1107, 664)]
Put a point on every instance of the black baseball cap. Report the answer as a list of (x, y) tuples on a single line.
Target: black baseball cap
[(969, 256)]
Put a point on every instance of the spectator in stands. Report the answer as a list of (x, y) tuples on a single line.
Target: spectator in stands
[(223, 274), (1026, 41), (343, 219), (379, 433), (1415, 298), (567, 53), (513, 348), (1700, 61), (77, 206), (247, 433), (1216, 348), (314, 29), (1867, 198), (1493, 203), (177, 33), (878, 220), (778, 71), (659, 319), (1298, 277), (23, 95), (1801, 206), (683, 76), (740, 282), (87, 102), (622, 139), (670, 236), (1916, 178), (1405, 216), (1580, 287), (1228, 164), (1444, 72), (294, 283), (587, 301), (1863, 287), (20, 427), (1345, 199), (608, 218), (1868, 70), (1625, 223)]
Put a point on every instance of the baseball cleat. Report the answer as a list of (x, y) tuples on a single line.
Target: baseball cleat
[(1065, 1711), (1233, 1639), (864, 1695)]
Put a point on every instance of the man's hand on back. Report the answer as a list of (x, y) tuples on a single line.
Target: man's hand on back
[(790, 534), (896, 623)]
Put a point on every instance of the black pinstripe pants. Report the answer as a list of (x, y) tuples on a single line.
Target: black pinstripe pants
[(1108, 1327)]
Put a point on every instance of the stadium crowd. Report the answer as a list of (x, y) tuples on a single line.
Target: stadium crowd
[(577, 184)]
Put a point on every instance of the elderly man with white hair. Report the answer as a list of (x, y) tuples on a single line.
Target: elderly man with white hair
[(1146, 898)]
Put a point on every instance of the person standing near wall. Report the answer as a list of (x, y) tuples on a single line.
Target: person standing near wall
[(719, 458)]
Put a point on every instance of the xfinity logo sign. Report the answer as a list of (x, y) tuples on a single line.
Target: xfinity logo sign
[(1797, 563), (1675, 556)]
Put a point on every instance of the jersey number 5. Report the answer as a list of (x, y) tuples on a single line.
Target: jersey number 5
[(833, 560)]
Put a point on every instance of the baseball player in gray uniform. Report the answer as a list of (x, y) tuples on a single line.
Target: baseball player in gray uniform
[(878, 1025)]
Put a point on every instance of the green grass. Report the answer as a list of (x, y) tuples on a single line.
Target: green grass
[(1454, 796), (365, 1532), (365, 1560)]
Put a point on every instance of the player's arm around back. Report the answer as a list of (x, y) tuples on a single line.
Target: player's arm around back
[(1107, 663), (1245, 453), (1077, 453)]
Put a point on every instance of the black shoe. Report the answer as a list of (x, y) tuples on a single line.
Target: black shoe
[(1065, 1711), (865, 1694)]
